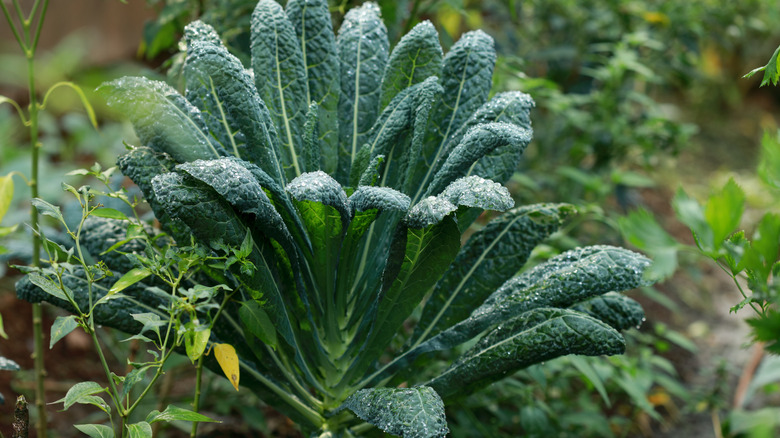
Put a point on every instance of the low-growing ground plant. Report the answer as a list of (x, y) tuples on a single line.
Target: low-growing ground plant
[(332, 182)]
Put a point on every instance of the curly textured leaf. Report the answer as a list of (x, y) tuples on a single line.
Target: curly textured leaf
[(280, 76), (236, 184), (200, 32), (560, 282), (113, 313), (214, 223), (141, 164), (510, 106), (408, 412), (399, 131), (613, 308), (163, 119), (475, 191), (311, 141), (417, 259), (416, 57), (490, 257), (380, 198), (362, 47), (311, 20), (466, 76), (205, 213), (371, 174), (532, 337), (496, 143), (218, 84), (322, 188), (429, 211)]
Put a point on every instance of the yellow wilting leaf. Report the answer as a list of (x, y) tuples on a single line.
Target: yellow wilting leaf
[(228, 361)]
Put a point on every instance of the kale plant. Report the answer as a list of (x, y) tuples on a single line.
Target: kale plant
[(345, 175)]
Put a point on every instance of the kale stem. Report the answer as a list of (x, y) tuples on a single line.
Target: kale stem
[(314, 418)]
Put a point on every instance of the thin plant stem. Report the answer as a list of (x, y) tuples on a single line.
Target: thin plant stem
[(37, 311), (117, 402), (196, 399)]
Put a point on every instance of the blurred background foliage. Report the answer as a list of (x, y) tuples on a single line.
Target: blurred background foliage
[(634, 98)]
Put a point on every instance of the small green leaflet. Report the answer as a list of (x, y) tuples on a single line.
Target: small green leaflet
[(195, 339), (48, 209), (131, 379), (95, 430), (79, 393), (6, 193), (173, 413), (771, 70), (130, 278), (61, 327), (256, 322), (49, 286), (408, 412), (139, 430), (109, 213)]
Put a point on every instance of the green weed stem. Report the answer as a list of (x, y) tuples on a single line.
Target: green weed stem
[(196, 400), (28, 44)]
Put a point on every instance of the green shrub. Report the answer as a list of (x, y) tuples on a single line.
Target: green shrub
[(334, 180)]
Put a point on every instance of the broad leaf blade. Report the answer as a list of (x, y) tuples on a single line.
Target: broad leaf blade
[(475, 191), (379, 198), (280, 76), (236, 184), (512, 107), (613, 308), (163, 119), (466, 76), (415, 58), (490, 257), (499, 144), (566, 279), (312, 23), (362, 49), (533, 337), (408, 412), (418, 257), (399, 132), (236, 116)]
